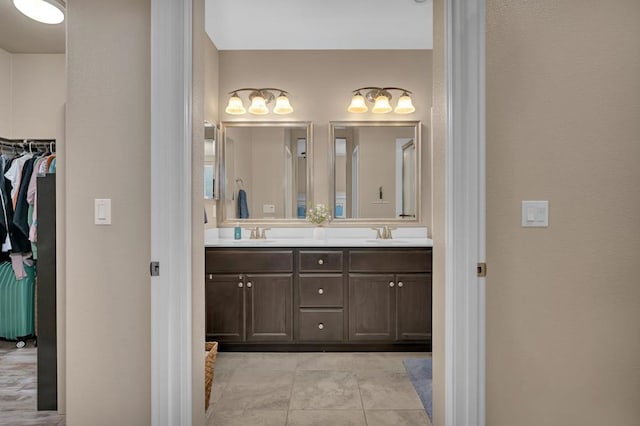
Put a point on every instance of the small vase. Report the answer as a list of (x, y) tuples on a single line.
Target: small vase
[(319, 233)]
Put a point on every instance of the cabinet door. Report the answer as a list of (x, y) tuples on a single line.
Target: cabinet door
[(414, 306), (372, 299), (269, 310), (224, 308)]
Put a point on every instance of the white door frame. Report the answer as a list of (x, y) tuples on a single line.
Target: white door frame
[(171, 223), (171, 198), (464, 214)]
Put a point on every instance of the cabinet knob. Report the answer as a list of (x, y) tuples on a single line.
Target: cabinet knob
[(249, 285), (320, 291), (321, 326), (240, 285), (320, 262), (400, 284), (210, 276), (391, 284)]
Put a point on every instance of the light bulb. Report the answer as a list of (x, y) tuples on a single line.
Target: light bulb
[(382, 105), (405, 106), (258, 106), (235, 107), (282, 105), (47, 12), (358, 104)]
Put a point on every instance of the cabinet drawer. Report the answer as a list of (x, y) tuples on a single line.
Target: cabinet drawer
[(321, 290), (320, 261), (390, 261), (247, 261), (320, 325)]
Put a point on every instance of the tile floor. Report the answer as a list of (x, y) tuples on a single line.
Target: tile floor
[(260, 389), (18, 388), (336, 389)]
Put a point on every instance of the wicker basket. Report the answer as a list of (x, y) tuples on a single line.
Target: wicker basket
[(212, 350)]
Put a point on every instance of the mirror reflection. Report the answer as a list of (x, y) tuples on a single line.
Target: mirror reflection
[(266, 170), (376, 170), (210, 165)]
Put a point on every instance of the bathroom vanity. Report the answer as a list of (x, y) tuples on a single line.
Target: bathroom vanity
[(270, 296)]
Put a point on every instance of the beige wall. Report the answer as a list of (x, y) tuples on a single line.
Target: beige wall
[(320, 83), (39, 93), (32, 87), (199, 114), (107, 156), (438, 213), (5, 94), (563, 302)]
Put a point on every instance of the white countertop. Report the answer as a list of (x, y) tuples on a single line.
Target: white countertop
[(329, 242), (336, 237)]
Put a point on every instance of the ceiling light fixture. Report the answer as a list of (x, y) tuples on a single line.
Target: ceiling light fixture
[(45, 11), (380, 97), (259, 98)]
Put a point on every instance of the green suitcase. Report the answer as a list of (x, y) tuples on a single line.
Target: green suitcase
[(16, 303)]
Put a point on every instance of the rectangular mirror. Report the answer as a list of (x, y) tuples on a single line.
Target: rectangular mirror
[(266, 171), (211, 179), (376, 170)]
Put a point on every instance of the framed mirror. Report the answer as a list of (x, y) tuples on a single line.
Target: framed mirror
[(266, 172), (376, 171), (211, 166)]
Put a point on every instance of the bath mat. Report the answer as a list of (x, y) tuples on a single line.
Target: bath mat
[(420, 373)]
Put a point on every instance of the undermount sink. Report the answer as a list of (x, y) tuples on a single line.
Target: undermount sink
[(389, 241), (253, 241)]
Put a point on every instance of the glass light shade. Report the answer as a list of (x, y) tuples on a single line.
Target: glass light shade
[(282, 105), (47, 12), (405, 106), (382, 105), (258, 106), (235, 107), (357, 104)]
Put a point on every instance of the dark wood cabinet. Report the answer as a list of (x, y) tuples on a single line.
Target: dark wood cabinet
[(393, 304), (268, 309), (413, 295), (372, 300), (249, 295), (319, 299), (224, 308)]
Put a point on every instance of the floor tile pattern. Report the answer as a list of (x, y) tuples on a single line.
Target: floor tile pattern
[(18, 388), (314, 389)]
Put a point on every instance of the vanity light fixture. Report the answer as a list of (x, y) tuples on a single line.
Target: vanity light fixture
[(45, 11), (259, 98), (380, 97)]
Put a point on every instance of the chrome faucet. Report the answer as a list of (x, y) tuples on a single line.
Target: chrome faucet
[(258, 234), (384, 233)]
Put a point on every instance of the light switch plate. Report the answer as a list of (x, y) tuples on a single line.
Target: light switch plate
[(102, 211), (535, 214)]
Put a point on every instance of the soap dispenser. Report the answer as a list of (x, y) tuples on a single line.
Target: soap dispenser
[(237, 232)]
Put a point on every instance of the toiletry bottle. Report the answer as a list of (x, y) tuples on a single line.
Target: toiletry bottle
[(237, 232)]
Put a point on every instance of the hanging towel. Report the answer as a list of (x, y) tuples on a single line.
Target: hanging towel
[(243, 208)]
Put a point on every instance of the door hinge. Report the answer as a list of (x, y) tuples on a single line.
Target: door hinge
[(154, 268), (482, 269)]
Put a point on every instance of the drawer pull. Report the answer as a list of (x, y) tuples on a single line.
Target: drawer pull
[(210, 276), (320, 291), (320, 262), (391, 284), (321, 326), (249, 285), (400, 284), (240, 285)]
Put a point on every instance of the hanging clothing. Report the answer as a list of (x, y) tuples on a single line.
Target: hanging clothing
[(243, 207), (20, 216)]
